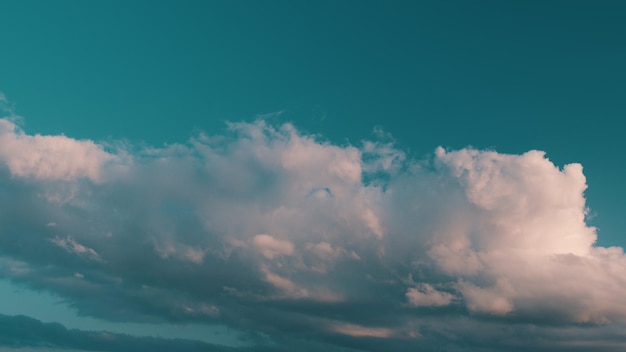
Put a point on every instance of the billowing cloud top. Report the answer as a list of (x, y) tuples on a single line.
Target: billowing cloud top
[(270, 230), (49, 157)]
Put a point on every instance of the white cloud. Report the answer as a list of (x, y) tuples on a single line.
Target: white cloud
[(527, 248), (266, 217), (49, 157)]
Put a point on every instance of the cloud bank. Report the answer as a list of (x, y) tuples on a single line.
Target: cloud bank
[(21, 333), (272, 231)]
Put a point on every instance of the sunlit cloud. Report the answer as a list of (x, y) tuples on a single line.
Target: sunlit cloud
[(271, 230)]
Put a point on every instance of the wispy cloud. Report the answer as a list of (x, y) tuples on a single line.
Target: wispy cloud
[(70, 245)]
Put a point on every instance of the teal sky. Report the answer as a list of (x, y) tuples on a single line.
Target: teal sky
[(509, 76), (514, 76), (483, 66)]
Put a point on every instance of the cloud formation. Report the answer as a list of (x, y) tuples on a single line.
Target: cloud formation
[(27, 334), (270, 230), (49, 157)]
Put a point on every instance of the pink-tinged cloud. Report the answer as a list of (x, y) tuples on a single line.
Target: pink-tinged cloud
[(272, 247), (50, 157), (426, 296), (267, 221)]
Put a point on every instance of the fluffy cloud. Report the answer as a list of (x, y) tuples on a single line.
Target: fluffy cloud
[(270, 230), (49, 157)]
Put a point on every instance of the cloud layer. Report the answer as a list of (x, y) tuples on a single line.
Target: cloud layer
[(273, 231)]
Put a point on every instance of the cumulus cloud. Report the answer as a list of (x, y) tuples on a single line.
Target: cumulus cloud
[(270, 230), (49, 157)]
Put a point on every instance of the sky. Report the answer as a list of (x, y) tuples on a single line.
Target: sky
[(329, 175)]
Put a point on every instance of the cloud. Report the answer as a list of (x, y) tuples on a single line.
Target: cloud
[(270, 230), (527, 250), (70, 245), (27, 334), (271, 247), (427, 296), (360, 331), (20, 333), (49, 157)]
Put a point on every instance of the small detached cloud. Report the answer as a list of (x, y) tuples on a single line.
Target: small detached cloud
[(269, 230)]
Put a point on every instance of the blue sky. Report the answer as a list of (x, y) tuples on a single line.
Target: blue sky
[(185, 145)]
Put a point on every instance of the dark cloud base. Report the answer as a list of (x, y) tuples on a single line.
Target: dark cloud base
[(21, 332)]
